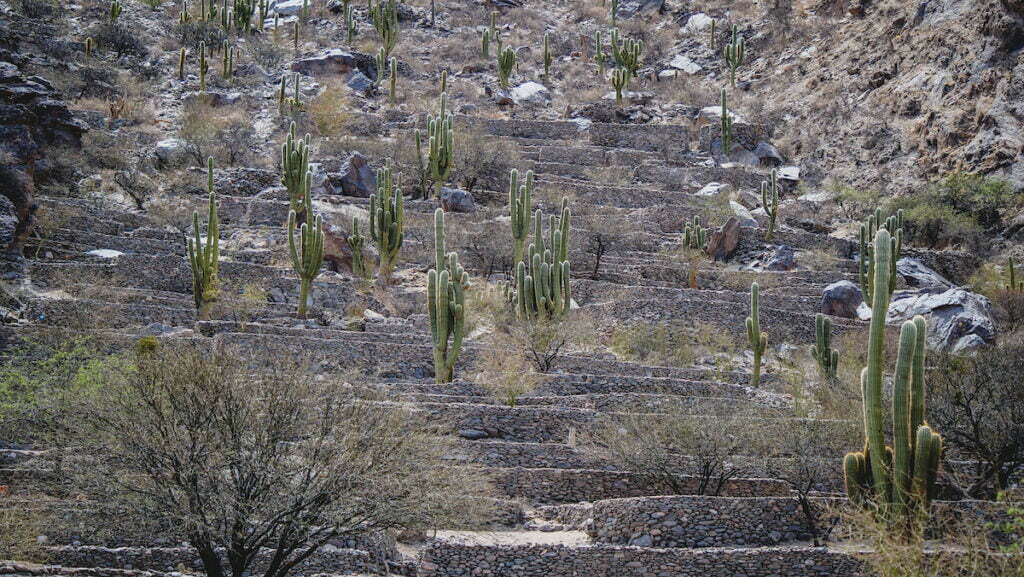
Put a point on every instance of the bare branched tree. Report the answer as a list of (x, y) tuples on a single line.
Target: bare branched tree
[(274, 464)]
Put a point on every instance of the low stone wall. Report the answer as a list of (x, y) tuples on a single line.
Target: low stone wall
[(443, 559), (575, 485)]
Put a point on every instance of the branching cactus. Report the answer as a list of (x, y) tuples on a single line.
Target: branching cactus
[(382, 64), (733, 53), (770, 201), (227, 60), (356, 242), (441, 142), (614, 11), (520, 205), (307, 253), (627, 55), (385, 21), (204, 260), (866, 269), (545, 292), (758, 339), (446, 305), (350, 24), (548, 58), (726, 126), (295, 170), (506, 62), (620, 80), (899, 480), (822, 351), (422, 168), (115, 10), (387, 223), (694, 235)]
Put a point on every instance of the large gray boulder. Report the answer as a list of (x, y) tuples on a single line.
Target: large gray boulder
[(842, 299), (723, 241), (356, 178), (917, 275), (530, 93), (630, 8), (957, 318), (457, 200), (336, 61)]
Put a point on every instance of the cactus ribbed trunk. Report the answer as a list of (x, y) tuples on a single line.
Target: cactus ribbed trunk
[(871, 376)]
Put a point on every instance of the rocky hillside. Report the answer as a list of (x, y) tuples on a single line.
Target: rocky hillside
[(511, 288)]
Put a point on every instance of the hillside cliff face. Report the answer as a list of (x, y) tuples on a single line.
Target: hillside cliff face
[(907, 92)]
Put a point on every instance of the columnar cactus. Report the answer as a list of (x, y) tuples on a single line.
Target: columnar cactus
[(204, 260), (545, 292), (770, 201), (726, 127), (441, 144), (506, 62), (382, 64), (446, 305), (758, 339), (599, 55), (614, 11), (822, 351), (694, 235), (115, 10), (385, 21), (350, 24), (392, 80), (356, 241), (227, 60), (548, 58), (308, 253), (387, 223), (900, 479), (485, 43), (242, 13), (620, 80), (295, 170), (712, 40), (1013, 285), (203, 67), (866, 268), (520, 206), (89, 45), (733, 53), (181, 64), (627, 53)]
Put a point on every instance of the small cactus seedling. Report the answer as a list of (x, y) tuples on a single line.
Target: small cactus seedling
[(758, 339)]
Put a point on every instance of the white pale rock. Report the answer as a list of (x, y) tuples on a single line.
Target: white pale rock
[(714, 189), (788, 172), (531, 92), (683, 62), (105, 253), (698, 23), (287, 7), (715, 112)]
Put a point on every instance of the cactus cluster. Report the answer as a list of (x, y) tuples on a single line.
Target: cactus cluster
[(385, 20), (520, 206), (733, 54), (204, 259), (307, 254), (356, 242), (822, 351), (227, 60), (440, 144), (115, 10), (506, 62), (627, 53), (387, 223), (295, 169), (866, 267), (620, 80), (758, 339), (899, 479), (694, 235), (544, 291), (770, 201), (294, 102), (446, 304)]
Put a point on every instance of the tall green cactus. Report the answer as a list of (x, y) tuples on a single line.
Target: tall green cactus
[(446, 304), (308, 253), (227, 60), (1013, 285), (694, 235), (614, 11), (205, 260), (599, 55), (387, 223), (758, 338), (866, 268), (441, 142), (822, 351), (620, 80), (295, 169), (547, 58), (392, 80), (506, 62), (204, 67), (726, 126), (350, 24), (385, 20), (115, 10), (181, 64), (356, 242), (545, 291), (712, 38), (485, 43), (627, 54), (733, 54), (900, 479), (770, 201), (520, 206)]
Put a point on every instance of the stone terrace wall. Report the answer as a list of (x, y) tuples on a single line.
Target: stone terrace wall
[(574, 485), (454, 560)]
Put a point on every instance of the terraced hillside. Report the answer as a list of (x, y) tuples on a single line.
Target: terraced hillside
[(575, 474)]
